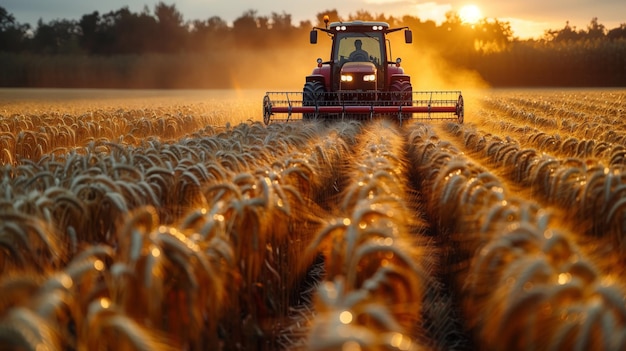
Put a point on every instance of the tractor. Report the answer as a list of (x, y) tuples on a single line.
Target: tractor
[(361, 81)]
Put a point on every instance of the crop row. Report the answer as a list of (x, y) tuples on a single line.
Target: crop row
[(34, 136), (148, 241), (377, 268), (589, 193), (134, 231), (522, 282)]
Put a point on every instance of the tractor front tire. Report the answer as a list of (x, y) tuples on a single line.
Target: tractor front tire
[(401, 95), (312, 95), (401, 91)]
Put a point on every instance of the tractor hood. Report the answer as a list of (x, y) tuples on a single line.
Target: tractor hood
[(358, 68)]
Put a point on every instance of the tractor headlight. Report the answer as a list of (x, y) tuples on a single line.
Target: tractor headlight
[(369, 78), (346, 78)]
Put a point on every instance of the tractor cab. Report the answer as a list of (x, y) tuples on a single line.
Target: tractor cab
[(357, 60)]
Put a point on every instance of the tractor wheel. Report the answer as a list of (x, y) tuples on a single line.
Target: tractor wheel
[(312, 95), (401, 91), (401, 95), (460, 110)]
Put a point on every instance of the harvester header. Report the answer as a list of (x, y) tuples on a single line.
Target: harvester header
[(361, 81)]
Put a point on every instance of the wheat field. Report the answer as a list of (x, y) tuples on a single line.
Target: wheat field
[(152, 220)]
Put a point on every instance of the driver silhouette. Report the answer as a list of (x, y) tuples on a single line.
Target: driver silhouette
[(358, 54)]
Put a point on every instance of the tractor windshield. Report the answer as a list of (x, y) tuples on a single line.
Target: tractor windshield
[(359, 47)]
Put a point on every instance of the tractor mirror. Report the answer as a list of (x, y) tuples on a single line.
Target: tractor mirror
[(313, 37), (408, 36)]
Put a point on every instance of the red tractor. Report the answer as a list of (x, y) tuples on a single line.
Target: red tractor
[(361, 81)]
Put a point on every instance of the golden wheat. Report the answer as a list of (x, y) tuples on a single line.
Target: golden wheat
[(157, 229)]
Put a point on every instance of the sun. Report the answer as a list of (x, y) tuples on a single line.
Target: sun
[(470, 14)]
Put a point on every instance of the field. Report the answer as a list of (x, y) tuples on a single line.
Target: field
[(155, 220)]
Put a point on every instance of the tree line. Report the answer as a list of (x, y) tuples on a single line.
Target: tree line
[(112, 44)]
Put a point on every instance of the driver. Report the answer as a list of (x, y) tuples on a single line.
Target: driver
[(358, 54)]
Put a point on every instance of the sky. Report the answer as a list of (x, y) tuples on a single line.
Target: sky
[(528, 18)]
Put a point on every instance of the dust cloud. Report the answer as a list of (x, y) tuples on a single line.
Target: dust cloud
[(429, 71), (270, 66), (286, 68), (281, 69)]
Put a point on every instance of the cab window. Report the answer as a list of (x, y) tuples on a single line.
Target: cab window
[(349, 43)]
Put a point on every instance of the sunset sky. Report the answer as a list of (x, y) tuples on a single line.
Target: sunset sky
[(528, 18)]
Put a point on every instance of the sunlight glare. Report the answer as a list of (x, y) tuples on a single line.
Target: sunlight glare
[(470, 14)]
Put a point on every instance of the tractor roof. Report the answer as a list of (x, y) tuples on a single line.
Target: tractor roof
[(359, 24)]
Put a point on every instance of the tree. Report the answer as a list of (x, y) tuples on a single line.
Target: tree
[(170, 28), (250, 30), (124, 32), (281, 23), (568, 33), (57, 37), (617, 33), (492, 35), (211, 34), (595, 30), (89, 32), (12, 34)]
